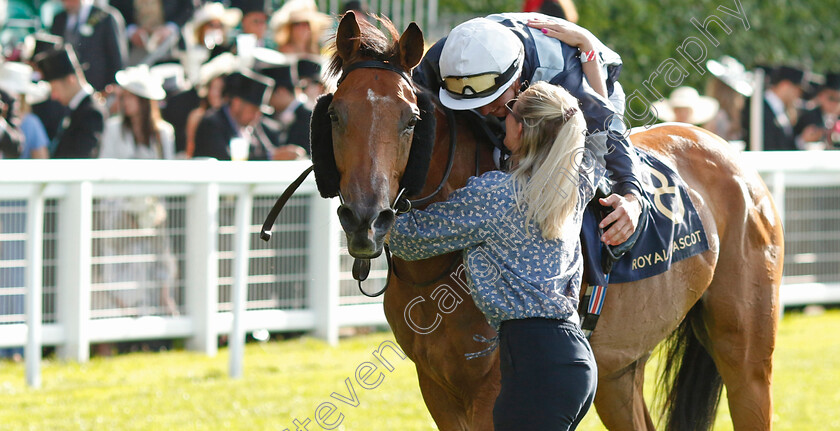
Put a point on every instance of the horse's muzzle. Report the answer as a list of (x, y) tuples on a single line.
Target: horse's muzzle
[(365, 229)]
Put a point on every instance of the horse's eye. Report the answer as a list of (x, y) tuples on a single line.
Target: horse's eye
[(333, 116), (413, 121)]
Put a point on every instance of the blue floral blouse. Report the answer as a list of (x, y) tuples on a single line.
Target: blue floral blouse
[(514, 273)]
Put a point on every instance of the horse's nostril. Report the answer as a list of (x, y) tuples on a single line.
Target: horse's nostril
[(384, 220), (347, 218)]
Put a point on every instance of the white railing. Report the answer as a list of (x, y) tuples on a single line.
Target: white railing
[(54, 246), (214, 211)]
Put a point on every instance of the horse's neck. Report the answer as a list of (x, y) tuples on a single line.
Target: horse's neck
[(468, 152)]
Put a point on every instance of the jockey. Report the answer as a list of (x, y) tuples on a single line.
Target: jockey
[(486, 62)]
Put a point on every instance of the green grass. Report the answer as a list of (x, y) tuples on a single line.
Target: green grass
[(290, 379)]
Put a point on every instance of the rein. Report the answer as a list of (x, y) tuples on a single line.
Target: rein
[(361, 267)]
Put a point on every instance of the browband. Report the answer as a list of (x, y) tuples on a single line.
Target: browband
[(375, 64)]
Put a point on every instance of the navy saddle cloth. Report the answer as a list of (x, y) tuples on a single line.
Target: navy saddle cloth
[(672, 232)]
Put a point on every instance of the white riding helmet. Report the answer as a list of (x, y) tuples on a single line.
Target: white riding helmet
[(480, 60)]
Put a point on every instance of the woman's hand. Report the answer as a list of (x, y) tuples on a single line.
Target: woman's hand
[(566, 32)]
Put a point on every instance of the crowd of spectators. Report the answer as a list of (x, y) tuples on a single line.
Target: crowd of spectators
[(236, 70), (800, 109)]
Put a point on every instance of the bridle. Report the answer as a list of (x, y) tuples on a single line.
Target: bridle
[(401, 204)]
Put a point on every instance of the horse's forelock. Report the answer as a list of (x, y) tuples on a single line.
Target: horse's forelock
[(375, 45)]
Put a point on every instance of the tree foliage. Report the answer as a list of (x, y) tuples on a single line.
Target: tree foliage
[(646, 33)]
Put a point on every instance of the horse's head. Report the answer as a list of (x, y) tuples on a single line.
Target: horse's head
[(371, 140)]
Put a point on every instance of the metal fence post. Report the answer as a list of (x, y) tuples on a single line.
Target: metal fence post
[(34, 285), (74, 270), (202, 272), (324, 267)]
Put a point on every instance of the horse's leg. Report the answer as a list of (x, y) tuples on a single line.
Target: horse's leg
[(620, 401), (446, 410), (740, 316)]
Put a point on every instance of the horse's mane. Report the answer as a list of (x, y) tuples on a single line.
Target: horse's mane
[(375, 44)]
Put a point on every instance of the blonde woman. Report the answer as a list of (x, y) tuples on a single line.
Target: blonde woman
[(520, 235)]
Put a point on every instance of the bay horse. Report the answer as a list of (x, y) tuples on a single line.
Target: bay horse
[(720, 308)]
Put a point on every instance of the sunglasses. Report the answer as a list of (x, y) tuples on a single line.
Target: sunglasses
[(477, 86), (509, 105)]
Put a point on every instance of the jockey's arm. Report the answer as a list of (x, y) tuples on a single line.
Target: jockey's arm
[(619, 157)]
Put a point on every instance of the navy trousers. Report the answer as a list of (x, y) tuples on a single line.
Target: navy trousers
[(548, 376)]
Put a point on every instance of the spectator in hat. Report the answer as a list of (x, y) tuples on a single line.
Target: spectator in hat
[(228, 133), (49, 111), (784, 92), (97, 35), (730, 85), (11, 137), (298, 27), (211, 90), (80, 132), (151, 22), (309, 79), (820, 124), (686, 105), (254, 18), (290, 115), (138, 132), (181, 99), (16, 81), (206, 35)]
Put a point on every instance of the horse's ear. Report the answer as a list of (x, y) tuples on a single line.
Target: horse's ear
[(321, 147), (411, 47), (347, 37)]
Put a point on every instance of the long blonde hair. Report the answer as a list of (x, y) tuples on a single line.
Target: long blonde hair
[(550, 156)]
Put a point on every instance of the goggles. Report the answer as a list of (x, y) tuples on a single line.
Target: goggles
[(477, 86)]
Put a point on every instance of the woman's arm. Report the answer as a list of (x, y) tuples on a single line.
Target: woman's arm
[(461, 221), (576, 36)]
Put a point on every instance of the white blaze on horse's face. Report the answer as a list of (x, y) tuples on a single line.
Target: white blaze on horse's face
[(372, 142)]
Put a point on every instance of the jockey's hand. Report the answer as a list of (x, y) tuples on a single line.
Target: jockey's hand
[(624, 218)]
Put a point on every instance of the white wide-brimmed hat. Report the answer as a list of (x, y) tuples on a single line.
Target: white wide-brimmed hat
[(732, 73), (210, 11), (16, 79), (139, 81), (221, 65), (295, 11), (703, 108), (480, 60)]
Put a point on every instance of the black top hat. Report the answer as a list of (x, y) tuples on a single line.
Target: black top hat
[(309, 69), (37, 43), (58, 63), (282, 76), (247, 6), (251, 87), (787, 73), (832, 81)]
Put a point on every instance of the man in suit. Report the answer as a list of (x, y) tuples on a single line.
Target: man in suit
[(81, 131), (50, 112), (98, 37), (151, 22), (254, 18), (291, 116), (821, 123), (230, 132), (784, 91)]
